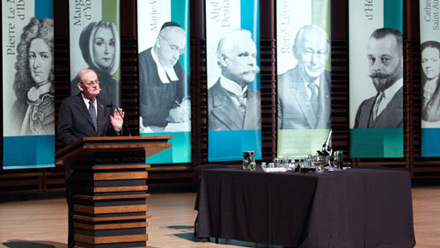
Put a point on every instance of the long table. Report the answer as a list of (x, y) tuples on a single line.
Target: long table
[(351, 208)]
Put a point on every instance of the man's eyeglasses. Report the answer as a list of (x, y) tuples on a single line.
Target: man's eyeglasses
[(173, 47)]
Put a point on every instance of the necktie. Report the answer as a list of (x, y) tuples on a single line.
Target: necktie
[(92, 112), (379, 99), (314, 98), (242, 100)]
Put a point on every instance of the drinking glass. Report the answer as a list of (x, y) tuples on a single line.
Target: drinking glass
[(338, 159), (248, 157), (277, 162), (319, 161), (252, 166)]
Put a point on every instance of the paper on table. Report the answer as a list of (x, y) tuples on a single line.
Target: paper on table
[(279, 169)]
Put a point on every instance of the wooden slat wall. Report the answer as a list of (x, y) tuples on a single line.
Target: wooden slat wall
[(339, 76), (182, 173), (129, 60), (199, 90), (268, 80)]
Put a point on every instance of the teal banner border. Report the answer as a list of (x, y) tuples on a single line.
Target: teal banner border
[(430, 142), (393, 14), (179, 152), (182, 18), (376, 142), (27, 152), (250, 20), (44, 9), (230, 145)]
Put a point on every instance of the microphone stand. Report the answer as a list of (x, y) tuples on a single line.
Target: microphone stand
[(326, 148)]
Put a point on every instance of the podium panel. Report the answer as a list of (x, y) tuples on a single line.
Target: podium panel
[(110, 189)]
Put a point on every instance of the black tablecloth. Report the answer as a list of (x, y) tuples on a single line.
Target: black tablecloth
[(353, 208)]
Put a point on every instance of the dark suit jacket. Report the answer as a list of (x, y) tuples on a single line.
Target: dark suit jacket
[(431, 107), (223, 114), (391, 116), (156, 98), (74, 121), (294, 106)]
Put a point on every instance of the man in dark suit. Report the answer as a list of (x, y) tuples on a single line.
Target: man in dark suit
[(163, 83), (385, 110), (84, 115), (304, 92), (232, 103)]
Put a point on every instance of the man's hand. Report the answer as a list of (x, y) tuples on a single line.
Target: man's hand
[(181, 113), (117, 120)]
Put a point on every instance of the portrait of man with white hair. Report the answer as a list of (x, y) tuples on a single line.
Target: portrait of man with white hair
[(232, 103), (304, 92)]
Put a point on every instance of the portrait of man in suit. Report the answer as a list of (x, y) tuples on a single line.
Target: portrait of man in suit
[(163, 83), (232, 103), (385, 55), (304, 91)]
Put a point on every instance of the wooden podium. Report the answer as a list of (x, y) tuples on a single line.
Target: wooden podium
[(110, 188)]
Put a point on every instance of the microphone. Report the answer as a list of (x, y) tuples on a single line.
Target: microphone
[(326, 148), (120, 114)]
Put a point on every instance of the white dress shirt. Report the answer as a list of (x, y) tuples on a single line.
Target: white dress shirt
[(165, 74)]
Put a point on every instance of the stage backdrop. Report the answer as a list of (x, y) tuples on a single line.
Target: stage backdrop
[(95, 44), (381, 136), (430, 60), (302, 129), (234, 108), (28, 84), (164, 71)]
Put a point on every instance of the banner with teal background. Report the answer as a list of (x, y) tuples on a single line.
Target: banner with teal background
[(430, 80), (164, 72), (303, 57), (376, 132), (234, 105), (28, 84), (95, 43)]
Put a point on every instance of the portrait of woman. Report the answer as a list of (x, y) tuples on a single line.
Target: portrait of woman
[(100, 48), (33, 111), (430, 81)]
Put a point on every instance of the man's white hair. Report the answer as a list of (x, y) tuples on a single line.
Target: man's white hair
[(225, 46)]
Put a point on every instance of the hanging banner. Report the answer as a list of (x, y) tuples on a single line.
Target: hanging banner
[(95, 44), (164, 67), (376, 78), (28, 84), (430, 71), (234, 105), (303, 76)]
